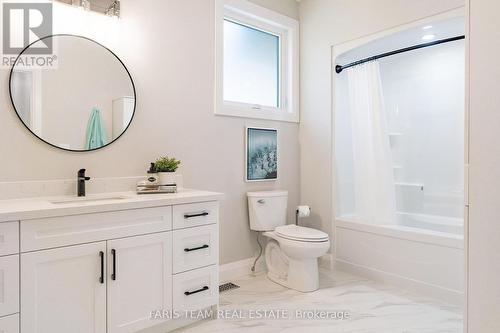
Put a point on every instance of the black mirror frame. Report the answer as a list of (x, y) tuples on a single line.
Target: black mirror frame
[(99, 44)]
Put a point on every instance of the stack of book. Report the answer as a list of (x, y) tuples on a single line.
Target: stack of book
[(151, 189)]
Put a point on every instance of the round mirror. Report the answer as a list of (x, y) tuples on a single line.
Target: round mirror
[(80, 98)]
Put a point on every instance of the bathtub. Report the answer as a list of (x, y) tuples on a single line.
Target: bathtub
[(441, 224), (421, 253)]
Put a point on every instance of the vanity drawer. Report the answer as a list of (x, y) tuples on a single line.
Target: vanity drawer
[(78, 229), (195, 247), (9, 324), (9, 285), (9, 238), (196, 289), (195, 214)]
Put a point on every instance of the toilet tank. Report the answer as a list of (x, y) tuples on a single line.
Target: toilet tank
[(267, 209)]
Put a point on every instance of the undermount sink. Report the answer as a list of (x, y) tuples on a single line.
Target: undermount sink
[(93, 198)]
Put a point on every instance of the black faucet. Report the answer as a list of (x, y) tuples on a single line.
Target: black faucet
[(80, 181)]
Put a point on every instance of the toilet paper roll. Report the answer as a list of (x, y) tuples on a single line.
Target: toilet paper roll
[(304, 211)]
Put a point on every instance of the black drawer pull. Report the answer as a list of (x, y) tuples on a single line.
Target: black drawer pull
[(187, 293), (188, 216), (113, 254), (196, 248), (101, 278)]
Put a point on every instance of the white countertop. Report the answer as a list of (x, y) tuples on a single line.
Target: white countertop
[(42, 207)]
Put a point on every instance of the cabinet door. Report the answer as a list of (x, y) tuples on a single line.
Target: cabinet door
[(64, 290), (9, 324), (9, 285), (139, 281)]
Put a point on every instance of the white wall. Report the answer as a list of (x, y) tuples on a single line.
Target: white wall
[(168, 46), (325, 23), (484, 173), (286, 7)]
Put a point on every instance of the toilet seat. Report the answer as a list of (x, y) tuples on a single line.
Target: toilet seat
[(301, 234)]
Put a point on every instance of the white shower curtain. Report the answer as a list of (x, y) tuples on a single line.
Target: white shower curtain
[(374, 190)]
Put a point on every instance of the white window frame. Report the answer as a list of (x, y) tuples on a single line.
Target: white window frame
[(260, 18)]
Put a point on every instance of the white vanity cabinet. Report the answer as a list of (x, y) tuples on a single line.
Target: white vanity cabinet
[(9, 285), (67, 289), (9, 238), (9, 324), (108, 271), (9, 277), (139, 280), (64, 290), (195, 256)]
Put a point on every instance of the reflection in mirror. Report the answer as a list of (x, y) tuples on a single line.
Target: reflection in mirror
[(85, 101)]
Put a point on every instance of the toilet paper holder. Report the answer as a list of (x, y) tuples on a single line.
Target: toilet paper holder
[(301, 211)]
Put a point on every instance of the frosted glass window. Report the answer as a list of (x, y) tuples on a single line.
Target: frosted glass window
[(251, 65)]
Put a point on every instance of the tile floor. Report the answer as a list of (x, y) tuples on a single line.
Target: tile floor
[(372, 308)]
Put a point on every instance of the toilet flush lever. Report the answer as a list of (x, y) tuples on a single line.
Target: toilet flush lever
[(261, 201)]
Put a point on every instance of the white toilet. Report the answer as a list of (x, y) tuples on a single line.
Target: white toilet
[(292, 252)]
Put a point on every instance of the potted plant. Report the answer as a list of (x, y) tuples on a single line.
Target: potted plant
[(166, 168)]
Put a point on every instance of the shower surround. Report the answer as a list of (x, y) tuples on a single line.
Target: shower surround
[(399, 171)]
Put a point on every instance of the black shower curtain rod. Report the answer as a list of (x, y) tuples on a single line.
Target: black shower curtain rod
[(340, 68)]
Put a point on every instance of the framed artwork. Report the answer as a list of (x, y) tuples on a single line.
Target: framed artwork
[(261, 154)]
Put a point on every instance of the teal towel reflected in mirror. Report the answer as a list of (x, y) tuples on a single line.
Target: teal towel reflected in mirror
[(96, 131)]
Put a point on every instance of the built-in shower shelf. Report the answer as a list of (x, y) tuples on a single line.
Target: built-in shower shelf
[(416, 185), (395, 134)]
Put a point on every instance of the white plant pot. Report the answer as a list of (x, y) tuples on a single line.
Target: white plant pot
[(167, 178)]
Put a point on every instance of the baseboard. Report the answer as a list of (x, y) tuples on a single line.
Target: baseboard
[(240, 268), (446, 295), (237, 269)]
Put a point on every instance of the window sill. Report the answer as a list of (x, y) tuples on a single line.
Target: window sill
[(274, 115)]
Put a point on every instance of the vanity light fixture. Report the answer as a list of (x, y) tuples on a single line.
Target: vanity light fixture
[(107, 7), (113, 9), (84, 4)]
